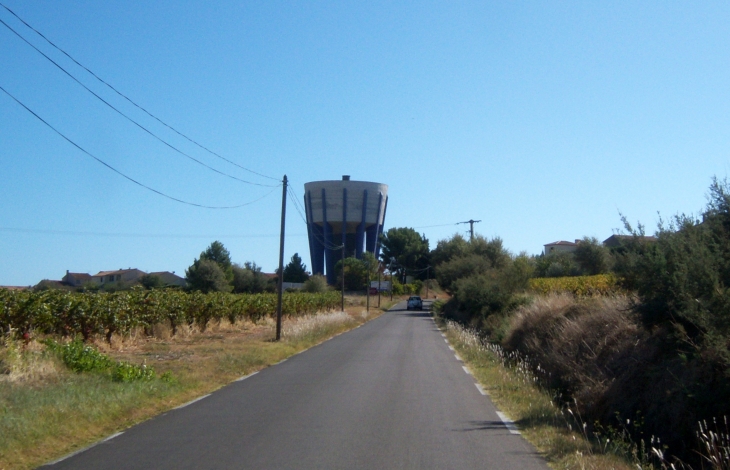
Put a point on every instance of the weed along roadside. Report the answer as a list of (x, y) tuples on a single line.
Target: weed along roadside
[(57, 397), (514, 389)]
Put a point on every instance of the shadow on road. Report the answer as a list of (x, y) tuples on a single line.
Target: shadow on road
[(483, 426)]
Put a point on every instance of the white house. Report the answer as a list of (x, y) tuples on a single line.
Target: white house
[(562, 245)]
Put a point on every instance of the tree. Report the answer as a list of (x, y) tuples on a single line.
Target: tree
[(592, 257), (356, 274), (151, 281), (206, 276), (446, 250), (408, 248), (249, 279), (218, 253), (556, 264), (295, 271)]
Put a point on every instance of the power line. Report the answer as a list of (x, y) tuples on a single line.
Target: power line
[(129, 118), (298, 206), (122, 174), (439, 225), (131, 101)]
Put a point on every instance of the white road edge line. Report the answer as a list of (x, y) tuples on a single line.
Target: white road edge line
[(458, 358), (113, 436), (509, 424), (481, 389), (452, 348), (246, 376), (82, 450), (191, 402), (466, 370)]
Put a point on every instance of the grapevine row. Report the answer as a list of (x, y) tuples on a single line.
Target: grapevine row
[(70, 314)]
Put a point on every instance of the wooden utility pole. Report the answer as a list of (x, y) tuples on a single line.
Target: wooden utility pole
[(343, 273), (379, 272), (471, 227), (281, 261)]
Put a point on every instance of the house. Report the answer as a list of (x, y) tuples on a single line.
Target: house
[(617, 240), (561, 246), (120, 275), (170, 278), (76, 279)]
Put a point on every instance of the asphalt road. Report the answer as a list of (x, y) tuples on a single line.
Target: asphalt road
[(387, 395)]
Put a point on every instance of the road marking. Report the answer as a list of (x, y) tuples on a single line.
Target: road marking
[(246, 376), (481, 390), (509, 424), (113, 436), (466, 370), (283, 360), (458, 358), (83, 450), (452, 348), (191, 402)]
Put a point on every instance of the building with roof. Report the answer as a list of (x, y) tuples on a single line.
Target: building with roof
[(76, 279), (561, 246), (120, 275)]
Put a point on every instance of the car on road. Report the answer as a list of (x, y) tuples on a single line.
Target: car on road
[(414, 303)]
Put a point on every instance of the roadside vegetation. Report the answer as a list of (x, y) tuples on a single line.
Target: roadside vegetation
[(629, 346)]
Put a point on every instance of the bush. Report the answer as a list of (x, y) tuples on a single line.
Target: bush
[(556, 264), (592, 257), (80, 357), (316, 284)]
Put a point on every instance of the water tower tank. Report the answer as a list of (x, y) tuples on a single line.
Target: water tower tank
[(343, 212)]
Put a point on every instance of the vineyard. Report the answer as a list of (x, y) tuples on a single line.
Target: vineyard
[(601, 284), (72, 314)]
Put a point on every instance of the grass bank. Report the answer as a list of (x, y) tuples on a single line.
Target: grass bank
[(46, 411), (558, 432)]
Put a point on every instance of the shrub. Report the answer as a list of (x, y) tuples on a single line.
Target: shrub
[(80, 357), (316, 284), (592, 257)]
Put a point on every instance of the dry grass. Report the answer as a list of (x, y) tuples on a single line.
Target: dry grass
[(47, 412), (27, 364), (512, 386), (581, 344)]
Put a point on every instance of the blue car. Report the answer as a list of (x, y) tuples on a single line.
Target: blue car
[(414, 303)]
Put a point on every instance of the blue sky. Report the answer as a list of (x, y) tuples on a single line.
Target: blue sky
[(542, 119)]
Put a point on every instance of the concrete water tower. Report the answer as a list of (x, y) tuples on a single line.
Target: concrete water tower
[(345, 212)]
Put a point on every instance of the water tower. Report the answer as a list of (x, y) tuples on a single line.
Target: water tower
[(343, 212)]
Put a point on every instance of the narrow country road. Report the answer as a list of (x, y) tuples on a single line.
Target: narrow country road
[(387, 395)]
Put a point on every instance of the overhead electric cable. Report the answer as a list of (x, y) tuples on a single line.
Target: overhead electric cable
[(129, 118), (440, 225), (131, 101), (119, 172), (298, 206)]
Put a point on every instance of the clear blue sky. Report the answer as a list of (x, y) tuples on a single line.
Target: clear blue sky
[(542, 119)]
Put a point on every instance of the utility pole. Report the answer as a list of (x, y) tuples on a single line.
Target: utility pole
[(471, 223), (367, 289), (427, 280), (343, 273), (281, 260), (379, 272)]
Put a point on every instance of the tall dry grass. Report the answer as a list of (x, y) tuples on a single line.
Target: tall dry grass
[(582, 344), (594, 354)]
